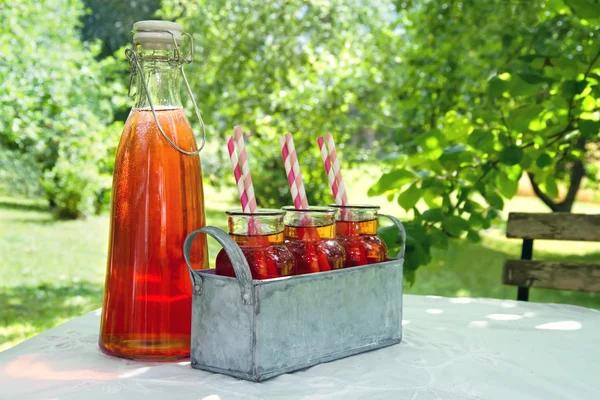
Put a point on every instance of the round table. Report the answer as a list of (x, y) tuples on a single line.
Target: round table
[(453, 348)]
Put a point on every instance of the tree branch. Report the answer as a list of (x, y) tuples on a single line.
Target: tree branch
[(556, 136), (506, 125), (492, 166), (543, 196), (577, 174)]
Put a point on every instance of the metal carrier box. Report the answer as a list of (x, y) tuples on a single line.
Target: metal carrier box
[(258, 329)]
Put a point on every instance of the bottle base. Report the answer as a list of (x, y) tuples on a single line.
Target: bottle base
[(146, 350)]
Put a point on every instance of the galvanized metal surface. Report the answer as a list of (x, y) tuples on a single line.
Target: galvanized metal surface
[(256, 330)]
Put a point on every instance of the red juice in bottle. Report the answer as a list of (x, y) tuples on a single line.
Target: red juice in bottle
[(260, 237), (356, 231), (157, 200), (310, 236)]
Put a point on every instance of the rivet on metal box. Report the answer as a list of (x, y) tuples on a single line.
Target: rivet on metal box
[(258, 329)]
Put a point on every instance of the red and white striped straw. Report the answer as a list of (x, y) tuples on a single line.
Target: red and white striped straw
[(289, 173), (292, 170), (336, 170), (246, 177), (329, 170), (237, 173)]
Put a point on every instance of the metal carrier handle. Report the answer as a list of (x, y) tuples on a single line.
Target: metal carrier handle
[(400, 227), (135, 65), (238, 260)]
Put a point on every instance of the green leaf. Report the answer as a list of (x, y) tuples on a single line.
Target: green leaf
[(453, 151), (551, 187), (455, 155), (568, 67), (507, 187), (543, 160), (572, 88), (410, 275), (438, 238), (521, 118), (514, 172), (494, 200), (433, 214), (432, 143), (391, 181), (492, 215), (481, 140), (476, 221), (520, 88), (455, 125), (455, 225), (511, 155), (588, 103), (589, 128), (526, 161), (418, 246), (557, 6), (391, 237), (473, 236), (496, 87), (432, 199), (409, 198), (585, 8), (472, 207), (535, 78)]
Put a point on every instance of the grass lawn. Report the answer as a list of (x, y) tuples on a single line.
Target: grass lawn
[(52, 271)]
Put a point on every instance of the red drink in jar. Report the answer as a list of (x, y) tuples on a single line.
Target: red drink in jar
[(356, 231), (260, 237), (310, 236)]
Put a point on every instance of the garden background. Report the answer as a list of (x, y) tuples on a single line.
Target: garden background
[(448, 114)]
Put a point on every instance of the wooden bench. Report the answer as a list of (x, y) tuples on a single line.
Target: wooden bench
[(526, 273)]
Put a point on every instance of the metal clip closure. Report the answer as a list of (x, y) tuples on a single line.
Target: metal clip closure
[(177, 60)]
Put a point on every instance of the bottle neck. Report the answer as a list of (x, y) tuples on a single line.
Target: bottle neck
[(162, 80)]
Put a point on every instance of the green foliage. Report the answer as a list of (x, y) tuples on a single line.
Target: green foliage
[(111, 21), (467, 138), (56, 103), (283, 66), (18, 174)]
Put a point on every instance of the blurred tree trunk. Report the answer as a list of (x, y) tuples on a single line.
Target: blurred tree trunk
[(576, 176)]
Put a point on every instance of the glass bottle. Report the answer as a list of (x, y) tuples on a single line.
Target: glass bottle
[(157, 199), (356, 231), (310, 236), (260, 237)]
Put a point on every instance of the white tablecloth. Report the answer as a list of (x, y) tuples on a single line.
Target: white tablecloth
[(452, 349)]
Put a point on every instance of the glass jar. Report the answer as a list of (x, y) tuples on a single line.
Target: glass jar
[(157, 200), (310, 236), (356, 231), (260, 237)]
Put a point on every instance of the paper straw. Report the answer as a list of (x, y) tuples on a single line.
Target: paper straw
[(336, 170), (292, 169), (289, 173), (237, 173), (329, 170), (297, 175), (245, 169)]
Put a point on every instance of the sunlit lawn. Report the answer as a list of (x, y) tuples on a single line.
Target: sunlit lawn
[(52, 271)]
